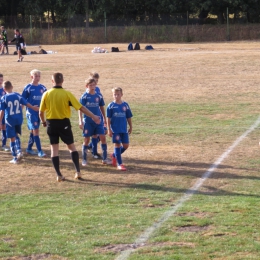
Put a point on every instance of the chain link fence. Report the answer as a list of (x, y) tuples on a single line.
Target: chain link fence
[(78, 29)]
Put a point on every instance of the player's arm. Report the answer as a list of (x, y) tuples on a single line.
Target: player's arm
[(102, 109), (129, 121), (42, 118), (2, 112), (80, 120), (87, 112), (35, 108), (109, 130)]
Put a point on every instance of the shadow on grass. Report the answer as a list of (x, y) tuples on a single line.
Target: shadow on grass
[(211, 191)]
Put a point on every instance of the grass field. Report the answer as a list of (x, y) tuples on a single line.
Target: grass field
[(190, 103)]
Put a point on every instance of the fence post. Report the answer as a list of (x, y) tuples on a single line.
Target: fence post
[(188, 36), (31, 28), (228, 34), (105, 16)]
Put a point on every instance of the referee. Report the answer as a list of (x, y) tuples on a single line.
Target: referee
[(57, 102)]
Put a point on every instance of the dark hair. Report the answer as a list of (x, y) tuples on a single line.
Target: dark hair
[(7, 85), (1, 75), (58, 77), (17, 30)]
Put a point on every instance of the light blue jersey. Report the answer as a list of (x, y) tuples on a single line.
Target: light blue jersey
[(11, 104), (33, 94), (93, 103), (118, 114)]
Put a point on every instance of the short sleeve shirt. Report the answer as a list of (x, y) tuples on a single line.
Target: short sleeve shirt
[(57, 102), (118, 114)]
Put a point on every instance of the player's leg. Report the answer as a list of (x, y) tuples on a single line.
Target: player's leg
[(29, 149), (75, 159), (105, 160), (4, 137), (95, 140), (87, 133), (66, 136), (53, 133), (10, 132), (85, 150), (35, 124), (6, 46)]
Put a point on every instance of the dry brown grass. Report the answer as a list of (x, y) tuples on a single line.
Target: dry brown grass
[(223, 73)]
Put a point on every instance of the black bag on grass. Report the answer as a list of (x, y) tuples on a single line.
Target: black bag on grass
[(114, 49), (137, 46)]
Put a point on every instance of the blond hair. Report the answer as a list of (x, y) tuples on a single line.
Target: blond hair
[(35, 72), (117, 89), (94, 75), (89, 81), (7, 85)]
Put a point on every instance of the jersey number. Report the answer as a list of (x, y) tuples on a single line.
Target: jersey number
[(16, 106)]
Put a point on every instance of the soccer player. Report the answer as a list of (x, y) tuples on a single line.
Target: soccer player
[(5, 41), (57, 102), (4, 138), (118, 116), (19, 42), (95, 103), (11, 108), (92, 146), (33, 94)]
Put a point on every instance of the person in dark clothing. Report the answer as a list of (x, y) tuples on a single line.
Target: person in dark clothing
[(5, 41), (19, 42)]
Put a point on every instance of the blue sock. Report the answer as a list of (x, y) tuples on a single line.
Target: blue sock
[(18, 144), (122, 149), (104, 150), (4, 137), (117, 152), (94, 145), (37, 142), (13, 149), (30, 142), (84, 152), (90, 145)]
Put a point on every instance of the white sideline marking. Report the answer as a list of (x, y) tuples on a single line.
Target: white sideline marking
[(187, 195)]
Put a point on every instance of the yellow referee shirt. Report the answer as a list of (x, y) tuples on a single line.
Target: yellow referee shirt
[(57, 102)]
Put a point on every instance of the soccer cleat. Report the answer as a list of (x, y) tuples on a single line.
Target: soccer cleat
[(121, 167), (113, 160), (77, 175), (97, 156), (14, 161), (31, 152), (60, 178), (18, 60), (5, 148), (41, 154), (21, 58), (107, 161), (84, 163)]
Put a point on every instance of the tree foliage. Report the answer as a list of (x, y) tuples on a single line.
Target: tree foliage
[(129, 9)]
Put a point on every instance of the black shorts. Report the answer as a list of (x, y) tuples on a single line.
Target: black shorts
[(59, 128)]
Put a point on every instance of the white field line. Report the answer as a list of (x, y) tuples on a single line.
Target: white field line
[(187, 195)]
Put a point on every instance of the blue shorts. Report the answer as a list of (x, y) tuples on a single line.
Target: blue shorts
[(93, 129), (33, 121), (12, 131), (120, 138)]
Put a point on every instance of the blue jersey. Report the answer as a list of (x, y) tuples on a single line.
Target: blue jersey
[(33, 94), (92, 103), (11, 104), (2, 92), (118, 114)]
